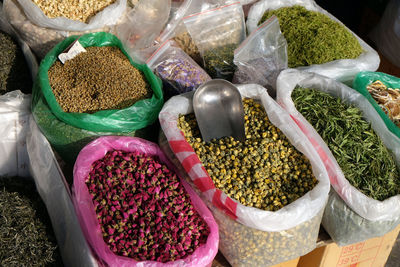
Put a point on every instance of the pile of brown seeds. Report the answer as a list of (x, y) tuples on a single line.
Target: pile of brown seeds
[(101, 78)]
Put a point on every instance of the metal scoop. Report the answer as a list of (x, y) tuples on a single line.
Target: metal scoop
[(219, 111)]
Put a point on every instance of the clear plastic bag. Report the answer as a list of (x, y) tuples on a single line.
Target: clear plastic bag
[(177, 69), (55, 193), (262, 56), (343, 70), (299, 213), (107, 17), (142, 25), (366, 207), (202, 256), (177, 31), (217, 33)]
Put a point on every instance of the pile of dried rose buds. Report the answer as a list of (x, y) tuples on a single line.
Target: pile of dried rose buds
[(143, 209)]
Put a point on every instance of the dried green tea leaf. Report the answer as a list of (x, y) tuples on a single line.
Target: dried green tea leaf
[(26, 236)]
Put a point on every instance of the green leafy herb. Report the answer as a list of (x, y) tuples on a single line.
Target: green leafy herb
[(365, 161), (312, 37)]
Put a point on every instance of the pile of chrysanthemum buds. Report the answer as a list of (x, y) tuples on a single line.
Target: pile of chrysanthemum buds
[(143, 209)]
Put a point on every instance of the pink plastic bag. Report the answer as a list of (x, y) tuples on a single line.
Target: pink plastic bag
[(96, 150)]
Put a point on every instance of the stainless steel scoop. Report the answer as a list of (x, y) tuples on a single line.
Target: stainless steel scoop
[(219, 111)]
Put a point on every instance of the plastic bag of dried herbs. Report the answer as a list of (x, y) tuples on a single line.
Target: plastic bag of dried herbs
[(42, 39), (361, 156), (69, 132), (193, 241), (251, 236), (56, 194), (389, 113), (18, 66), (177, 69), (312, 46), (261, 57), (217, 33)]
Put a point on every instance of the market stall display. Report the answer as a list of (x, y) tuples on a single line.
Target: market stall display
[(135, 210), (240, 224), (321, 154), (359, 152)]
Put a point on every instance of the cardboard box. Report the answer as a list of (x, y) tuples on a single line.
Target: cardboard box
[(292, 263), (220, 261), (373, 252)]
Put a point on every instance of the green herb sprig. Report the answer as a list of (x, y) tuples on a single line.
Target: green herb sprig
[(365, 161)]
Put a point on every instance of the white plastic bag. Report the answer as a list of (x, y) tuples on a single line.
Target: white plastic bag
[(14, 116), (142, 25), (295, 225), (217, 33), (55, 193), (178, 70), (343, 70), (107, 17), (262, 56), (386, 35)]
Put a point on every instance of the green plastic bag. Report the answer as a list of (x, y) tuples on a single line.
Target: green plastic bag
[(68, 133), (365, 78)]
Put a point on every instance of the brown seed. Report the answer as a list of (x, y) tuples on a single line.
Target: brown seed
[(101, 78)]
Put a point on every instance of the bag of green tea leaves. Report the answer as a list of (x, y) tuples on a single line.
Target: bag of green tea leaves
[(266, 193), (361, 155), (317, 41), (217, 33), (71, 116), (383, 92)]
